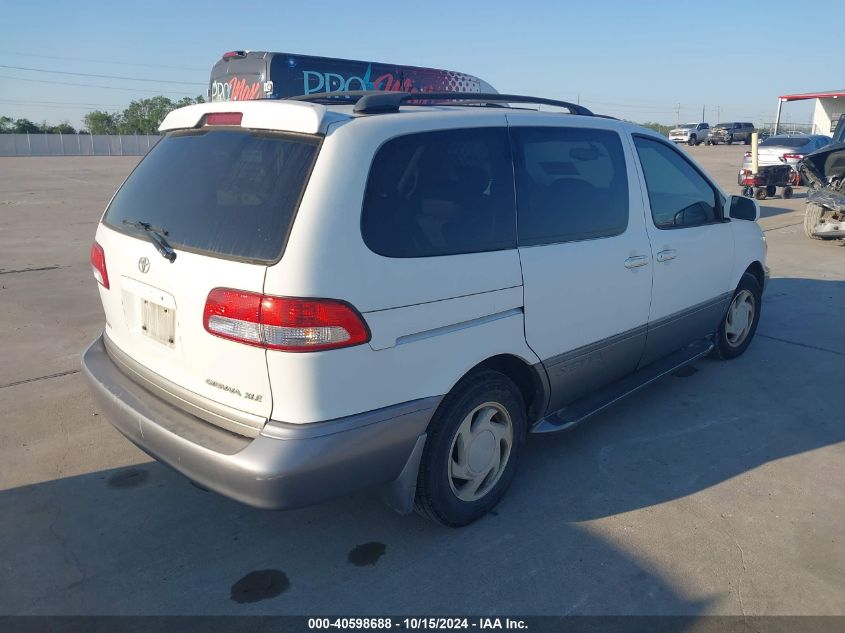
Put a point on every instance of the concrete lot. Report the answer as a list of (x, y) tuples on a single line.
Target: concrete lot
[(716, 491)]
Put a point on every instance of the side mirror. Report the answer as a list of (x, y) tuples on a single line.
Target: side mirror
[(742, 208)]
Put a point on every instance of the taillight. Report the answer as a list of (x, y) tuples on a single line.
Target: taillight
[(98, 263), (233, 55), (283, 323), (795, 156), (223, 118), (748, 154)]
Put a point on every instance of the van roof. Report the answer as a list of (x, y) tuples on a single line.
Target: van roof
[(312, 114)]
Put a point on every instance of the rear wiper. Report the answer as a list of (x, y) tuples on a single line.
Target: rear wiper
[(156, 235)]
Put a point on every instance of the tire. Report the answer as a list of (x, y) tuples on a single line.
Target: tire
[(787, 193), (748, 192), (439, 483), (729, 341), (730, 140), (760, 193), (748, 140), (771, 190), (812, 216), (692, 140)]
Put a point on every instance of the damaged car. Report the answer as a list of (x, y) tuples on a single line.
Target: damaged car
[(824, 173)]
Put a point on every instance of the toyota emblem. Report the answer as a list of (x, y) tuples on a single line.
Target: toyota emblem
[(143, 264)]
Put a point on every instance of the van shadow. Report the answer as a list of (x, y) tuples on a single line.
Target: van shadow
[(142, 540)]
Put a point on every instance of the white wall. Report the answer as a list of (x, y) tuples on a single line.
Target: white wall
[(826, 113)]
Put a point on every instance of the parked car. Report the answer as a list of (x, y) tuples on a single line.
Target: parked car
[(783, 149), (730, 132), (305, 298), (691, 133)]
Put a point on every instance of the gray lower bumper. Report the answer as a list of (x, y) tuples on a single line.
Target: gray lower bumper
[(287, 465)]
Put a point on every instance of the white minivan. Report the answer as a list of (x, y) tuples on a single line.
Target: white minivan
[(309, 297)]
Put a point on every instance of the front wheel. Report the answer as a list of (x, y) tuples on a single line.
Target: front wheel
[(692, 140), (813, 215), (470, 456), (730, 140), (740, 322)]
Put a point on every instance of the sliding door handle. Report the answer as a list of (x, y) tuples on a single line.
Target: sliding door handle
[(665, 256), (636, 261)]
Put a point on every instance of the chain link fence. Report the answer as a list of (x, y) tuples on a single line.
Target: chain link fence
[(76, 144)]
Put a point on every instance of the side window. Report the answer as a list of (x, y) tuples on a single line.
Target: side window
[(441, 193), (571, 184), (679, 195)]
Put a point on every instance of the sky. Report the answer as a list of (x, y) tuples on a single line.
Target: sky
[(642, 61)]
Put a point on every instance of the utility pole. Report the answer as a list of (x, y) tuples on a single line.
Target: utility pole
[(702, 113), (678, 111)]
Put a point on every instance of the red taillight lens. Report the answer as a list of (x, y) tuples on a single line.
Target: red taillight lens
[(223, 118), (281, 323), (232, 54), (795, 156), (748, 154), (98, 263)]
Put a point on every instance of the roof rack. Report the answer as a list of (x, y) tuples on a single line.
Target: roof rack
[(379, 101)]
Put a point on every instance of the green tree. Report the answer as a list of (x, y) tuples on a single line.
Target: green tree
[(99, 122), (24, 126), (7, 125), (186, 101), (145, 115), (62, 128)]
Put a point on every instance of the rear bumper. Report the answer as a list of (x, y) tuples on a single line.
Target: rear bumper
[(286, 466)]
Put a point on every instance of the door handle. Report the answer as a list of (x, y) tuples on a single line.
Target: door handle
[(665, 256), (635, 261)]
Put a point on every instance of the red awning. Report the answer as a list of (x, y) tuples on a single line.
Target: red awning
[(813, 95)]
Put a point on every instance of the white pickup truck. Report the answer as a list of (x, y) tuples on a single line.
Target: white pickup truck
[(692, 133)]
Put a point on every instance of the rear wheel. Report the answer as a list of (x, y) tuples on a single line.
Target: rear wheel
[(813, 215), (760, 193), (740, 323), (787, 193), (471, 453)]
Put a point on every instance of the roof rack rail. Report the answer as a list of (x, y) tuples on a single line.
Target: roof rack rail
[(379, 101)]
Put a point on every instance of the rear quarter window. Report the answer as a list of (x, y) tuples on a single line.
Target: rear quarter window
[(438, 193), (229, 193)]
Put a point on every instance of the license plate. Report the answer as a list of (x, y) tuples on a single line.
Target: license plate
[(158, 322)]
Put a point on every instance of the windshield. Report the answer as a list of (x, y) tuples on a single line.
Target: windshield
[(785, 141), (227, 192), (686, 126)]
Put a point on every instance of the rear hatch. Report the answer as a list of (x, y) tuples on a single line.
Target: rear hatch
[(226, 198)]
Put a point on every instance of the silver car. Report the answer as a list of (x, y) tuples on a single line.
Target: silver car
[(786, 149)]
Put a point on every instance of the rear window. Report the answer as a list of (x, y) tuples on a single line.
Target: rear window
[(230, 193), (785, 141), (441, 193)]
